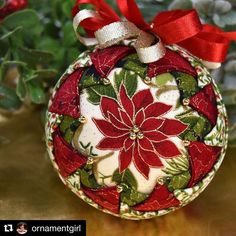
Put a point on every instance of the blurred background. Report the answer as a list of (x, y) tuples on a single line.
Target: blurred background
[(37, 43)]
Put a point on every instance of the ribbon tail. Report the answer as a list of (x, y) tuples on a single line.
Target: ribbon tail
[(132, 13)]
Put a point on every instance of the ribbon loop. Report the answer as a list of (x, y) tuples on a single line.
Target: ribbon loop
[(176, 26), (182, 27), (115, 32)]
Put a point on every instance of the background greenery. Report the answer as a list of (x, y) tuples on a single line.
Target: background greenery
[(38, 43)]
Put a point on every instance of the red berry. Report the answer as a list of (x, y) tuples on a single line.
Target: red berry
[(11, 6)]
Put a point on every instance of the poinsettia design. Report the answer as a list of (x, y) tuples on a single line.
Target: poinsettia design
[(136, 127)]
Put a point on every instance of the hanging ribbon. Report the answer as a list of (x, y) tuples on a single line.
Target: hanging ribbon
[(181, 27)]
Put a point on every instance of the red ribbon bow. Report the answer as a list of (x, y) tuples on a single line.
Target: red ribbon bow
[(182, 27)]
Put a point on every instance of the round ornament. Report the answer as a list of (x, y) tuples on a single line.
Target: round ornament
[(136, 140)]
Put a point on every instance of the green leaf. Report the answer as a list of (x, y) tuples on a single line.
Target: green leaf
[(125, 177), (11, 32), (88, 179), (97, 91), (34, 57), (88, 80), (198, 127), (163, 79), (129, 80), (69, 36), (8, 99), (66, 8), (187, 84), (68, 126), (93, 97), (27, 19), (36, 92), (179, 181), (14, 63), (133, 63), (132, 197), (21, 88), (2, 2), (46, 74)]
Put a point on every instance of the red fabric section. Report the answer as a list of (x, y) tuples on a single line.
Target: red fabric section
[(140, 164), (104, 60), (160, 198), (167, 149), (172, 61), (67, 158), (125, 158), (66, 100), (108, 198), (142, 99), (205, 103), (202, 160), (173, 127)]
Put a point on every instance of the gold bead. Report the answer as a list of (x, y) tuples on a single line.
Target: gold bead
[(147, 80), (161, 180), (119, 189), (82, 120), (90, 161), (106, 81), (76, 66), (186, 143), (132, 136), (135, 129), (186, 101), (140, 135)]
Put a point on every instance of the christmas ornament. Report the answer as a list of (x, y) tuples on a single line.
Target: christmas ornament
[(137, 128), (11, 6)]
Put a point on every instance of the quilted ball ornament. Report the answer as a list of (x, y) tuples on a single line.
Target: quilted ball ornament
[(136, 140)]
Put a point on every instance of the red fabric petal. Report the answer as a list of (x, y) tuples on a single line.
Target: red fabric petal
[(111, 143), (173, 127), (66, 100), (205, 103), (155, 136), (151, 158), (167, 149), (108, 129), (172, 61), (151, 124), (67, 158), (108, 198), (142, 99), (145, 143), (109, 105), (126, 102), (104, 60), (128, 143), (125, 158), (139, 118), (140, 165), (117, 123), (202, 160), (156, 109), (126, 119), (161, 198)]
